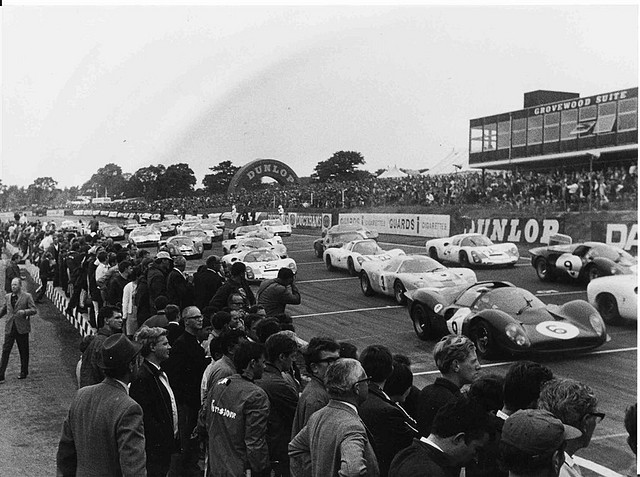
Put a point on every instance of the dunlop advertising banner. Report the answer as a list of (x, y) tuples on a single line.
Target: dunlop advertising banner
[(419, 225), (515, 230), (622, 234)]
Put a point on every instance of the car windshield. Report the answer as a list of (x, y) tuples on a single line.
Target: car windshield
[(368, 247), (614, 254), (254, 243), (141, 231), (508, 299), (195, 233), (261, 256), (419, 265), (182, 242), (476, 241)]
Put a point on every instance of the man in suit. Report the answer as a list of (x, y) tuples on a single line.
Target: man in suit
[(19, 307), (335, 440), (150, 388), (179, 288), (206, 281), (103, 433), (90, 370)]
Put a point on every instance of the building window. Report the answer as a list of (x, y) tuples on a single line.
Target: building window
[(476, 140), (519, 132), (551, 127), (586, 121), (628, 114), (606, 118), (568, 125), (534, 134), (490, 137), (504, 134)]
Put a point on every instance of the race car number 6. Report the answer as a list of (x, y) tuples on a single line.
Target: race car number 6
[(557, 329)]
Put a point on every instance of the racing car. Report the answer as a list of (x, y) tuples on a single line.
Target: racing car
[(500, 317), (353, 254), (253, 243), (262, 264), (144, 236), (188, 225), (244, 230), (199, 235), (616, 297), (340, 234), (276, 227), (472, 249), (71, 226), (395, 276), (580, 261), (112, 231), (166, 228), (130, 224), (181, 245)]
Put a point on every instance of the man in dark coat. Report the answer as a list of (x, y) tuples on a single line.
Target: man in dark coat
[(179, 288), (236, 283), (12, 271), (275, 294), (90, 370), (185, 368), (157, 277), (206, 281), (115, 287), (150, 388)]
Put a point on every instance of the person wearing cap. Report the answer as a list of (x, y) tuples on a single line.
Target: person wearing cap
[(12, 271), (157, 277), (576, 405), (456, 359), (460, 429), (207, 280), (103, 433), (532, 443)]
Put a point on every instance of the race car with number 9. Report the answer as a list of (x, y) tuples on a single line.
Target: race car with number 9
[(502, 318)]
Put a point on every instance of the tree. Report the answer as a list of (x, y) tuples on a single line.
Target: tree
[(42, 190), (219, 181), (177, 181), (146, 182), (339, 167), (107, 181)]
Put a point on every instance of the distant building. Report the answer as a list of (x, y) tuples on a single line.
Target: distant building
[(558, 129)]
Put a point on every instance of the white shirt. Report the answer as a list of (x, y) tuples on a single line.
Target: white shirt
[(570, 468), (174, 408), (127, 299)]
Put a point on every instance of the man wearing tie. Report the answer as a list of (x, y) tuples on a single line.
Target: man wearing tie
[(19, 307)]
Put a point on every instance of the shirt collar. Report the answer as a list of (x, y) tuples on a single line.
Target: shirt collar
[(569, 460), (350, 405), (502, 415), (123, 384), (429, 441)]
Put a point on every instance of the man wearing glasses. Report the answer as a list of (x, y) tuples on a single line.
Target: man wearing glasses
[(575, 404), (335, 440), (318, 355)]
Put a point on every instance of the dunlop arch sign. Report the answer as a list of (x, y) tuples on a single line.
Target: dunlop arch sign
[(253, 172)]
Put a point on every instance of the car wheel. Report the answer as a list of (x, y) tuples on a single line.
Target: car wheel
[(421, 321), (542, 270), (328, 263), (482, 337), (365, 285), (433, 253), (351, 268), (318, 252), (591, 273), (398, 293), (464, 260), (608, 308)]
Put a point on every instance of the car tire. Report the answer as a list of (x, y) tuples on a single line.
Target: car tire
[(433, 253), (351, 268), (328, 263), (542, 270), (464, 260), (365, 285), (591, 273), (608, 308), (421, 321), (398, 293), (482, 337)]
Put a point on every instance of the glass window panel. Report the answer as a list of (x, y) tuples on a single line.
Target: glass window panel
[(534, 135), (504, 134), (551, 133), (476, 140), (569, 121), (519, 134), (628, 105), (604, 124), (588, 112), (627, 122), (606, 109), (551, 119), (490, 137)]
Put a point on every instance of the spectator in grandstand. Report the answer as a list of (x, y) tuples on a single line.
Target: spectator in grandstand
[(318, 355), (90, 371), (522, 385), (235, 416), (456, 359), (180, 288), (207, 280), (460, 429), (12, 271), (335, 440), (237, 281), (533, 442), (185, 367), (150, 388), (386, 423), (114, 416), (575, 404), (229, 340), (275, 294), (157, 277), (283, 399)]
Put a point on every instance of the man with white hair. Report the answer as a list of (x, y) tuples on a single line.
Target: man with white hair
[(335, 441)]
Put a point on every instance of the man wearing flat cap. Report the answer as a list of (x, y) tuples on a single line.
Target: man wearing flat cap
[(533, 443), (103, 433)]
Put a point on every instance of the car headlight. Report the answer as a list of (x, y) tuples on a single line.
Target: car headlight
[(516, 334), (477, 256), (513, 251), (360, 259), (596, 323), (250, 274), (293, 267)]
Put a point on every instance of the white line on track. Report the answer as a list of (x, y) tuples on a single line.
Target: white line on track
[(310, 263), (388, 307), (554, 293), (326, 280), (491, 365), (609, 436)]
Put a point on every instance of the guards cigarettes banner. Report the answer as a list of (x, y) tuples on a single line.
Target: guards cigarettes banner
[(418, 225)]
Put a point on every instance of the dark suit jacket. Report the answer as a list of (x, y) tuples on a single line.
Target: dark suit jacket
[(148, 391), (20, 314), (12, 271), (205, 283), (179, 291), (103, 434), (432, 398), (422, 460), (185, 367), (174, 330), (386, 423)]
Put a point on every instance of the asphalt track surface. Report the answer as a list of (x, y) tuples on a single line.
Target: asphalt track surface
[(32, 410)]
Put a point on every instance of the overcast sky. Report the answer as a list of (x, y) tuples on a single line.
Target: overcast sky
[(83, 86)]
